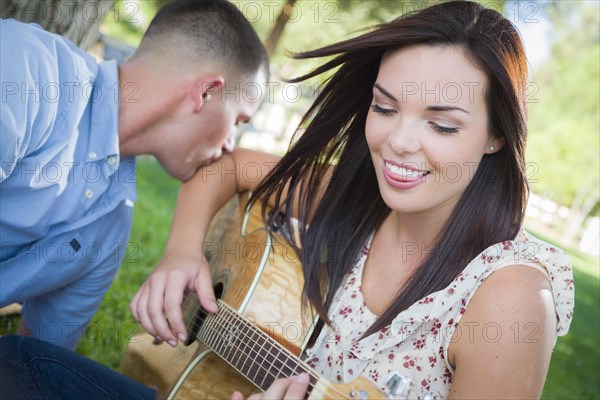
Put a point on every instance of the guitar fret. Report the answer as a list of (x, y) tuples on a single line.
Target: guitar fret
[(256, 355), (204, 334), (240, 360), (214, 337), (280, 369), (275, 367), (217, 334), (245, 347), (292, 365), (268, 375), (232, 330), (226, 343), (265, 356), (207, 333), (241, 354), (298, 368), (246, 366), (284, 370)]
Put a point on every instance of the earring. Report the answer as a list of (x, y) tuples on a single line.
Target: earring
[(492, 148)]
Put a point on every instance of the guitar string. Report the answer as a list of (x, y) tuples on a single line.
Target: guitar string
[(233, 347), (268, 372), (275, 345), (266, 369)]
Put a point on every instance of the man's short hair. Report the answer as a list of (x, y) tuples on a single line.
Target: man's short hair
[(214, 31)]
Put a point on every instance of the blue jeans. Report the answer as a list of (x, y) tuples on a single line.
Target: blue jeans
[(32, 369)]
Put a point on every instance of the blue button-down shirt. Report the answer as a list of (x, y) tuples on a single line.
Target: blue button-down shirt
[(60, 168)]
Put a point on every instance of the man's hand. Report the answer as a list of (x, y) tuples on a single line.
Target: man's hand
[(157, 303)]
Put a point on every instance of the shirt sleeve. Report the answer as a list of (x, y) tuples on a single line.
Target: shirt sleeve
[(34, 65)]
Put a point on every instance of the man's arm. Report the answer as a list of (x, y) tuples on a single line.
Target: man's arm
[(183, 265), (31, 89)]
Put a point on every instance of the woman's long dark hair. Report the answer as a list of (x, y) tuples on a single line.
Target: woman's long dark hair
[(491, 208)]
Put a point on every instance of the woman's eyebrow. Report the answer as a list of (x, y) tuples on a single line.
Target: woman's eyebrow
[(430, 108), (445, 108), (383, 91)]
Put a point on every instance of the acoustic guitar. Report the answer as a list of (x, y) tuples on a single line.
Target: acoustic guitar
[(259, 331)]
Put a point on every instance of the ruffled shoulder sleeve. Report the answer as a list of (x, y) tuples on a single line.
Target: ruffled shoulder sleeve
[(445, 307)]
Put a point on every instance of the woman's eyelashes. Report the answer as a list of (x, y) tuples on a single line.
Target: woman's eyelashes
[(383, 111), (445, 130)]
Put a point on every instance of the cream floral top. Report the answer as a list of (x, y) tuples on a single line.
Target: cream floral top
[(416, 344)]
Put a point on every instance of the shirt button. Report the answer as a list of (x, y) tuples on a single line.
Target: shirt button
[(112, 161), (89, 193), (92, 155)]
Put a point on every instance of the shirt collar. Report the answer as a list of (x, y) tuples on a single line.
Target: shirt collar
[(104, 107)]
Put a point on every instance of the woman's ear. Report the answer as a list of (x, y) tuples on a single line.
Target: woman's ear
[(494, 144), (204, 88)]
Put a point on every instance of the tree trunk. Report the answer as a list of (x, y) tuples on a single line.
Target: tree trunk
[(77, 20), (585, 200), (277, 31)]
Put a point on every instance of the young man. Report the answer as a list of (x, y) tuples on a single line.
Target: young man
[(70, 131)]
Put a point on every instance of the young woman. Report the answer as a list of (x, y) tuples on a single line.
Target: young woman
[(410, 178), (409, 182)]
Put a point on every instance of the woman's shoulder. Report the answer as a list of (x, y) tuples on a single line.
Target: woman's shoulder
[(520, 259), (525, 249), (521, 268)]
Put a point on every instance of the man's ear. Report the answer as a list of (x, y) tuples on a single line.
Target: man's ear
[(204, 88)]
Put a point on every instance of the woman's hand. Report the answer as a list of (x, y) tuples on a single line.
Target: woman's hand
[(157, 303), (293, 388)]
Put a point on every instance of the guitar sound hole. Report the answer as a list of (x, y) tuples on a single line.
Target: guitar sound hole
[(199, 317)]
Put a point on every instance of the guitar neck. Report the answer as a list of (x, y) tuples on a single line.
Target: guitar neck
[(248, 349)]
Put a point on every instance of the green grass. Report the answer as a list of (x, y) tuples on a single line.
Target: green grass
[(575, 367), (574, 370), (113, 325)]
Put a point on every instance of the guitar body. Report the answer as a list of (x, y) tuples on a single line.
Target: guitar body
[(209, 377), (259, 279), (255, 273), (259, 276)]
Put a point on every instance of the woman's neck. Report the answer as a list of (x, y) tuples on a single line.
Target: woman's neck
[(419, 228)]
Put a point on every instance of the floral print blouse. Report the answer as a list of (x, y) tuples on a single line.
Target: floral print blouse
[(416, 344)]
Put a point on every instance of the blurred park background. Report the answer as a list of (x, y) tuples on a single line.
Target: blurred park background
[(562, 39)]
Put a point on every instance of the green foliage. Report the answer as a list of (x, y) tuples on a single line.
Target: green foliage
[(564, 119), (128, 20)]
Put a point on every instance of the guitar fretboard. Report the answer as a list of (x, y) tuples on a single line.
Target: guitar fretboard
[(245, 347)]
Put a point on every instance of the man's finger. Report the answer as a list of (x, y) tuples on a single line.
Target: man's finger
[(172, 305), (133, 304), (142, 310), (156, 309), (205, 292)]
